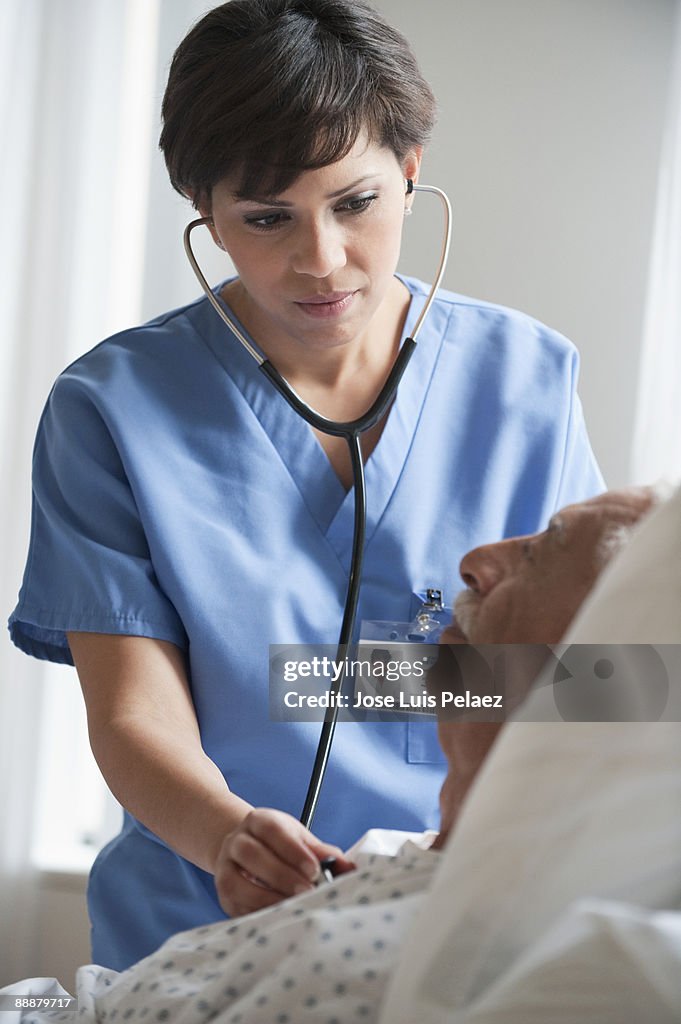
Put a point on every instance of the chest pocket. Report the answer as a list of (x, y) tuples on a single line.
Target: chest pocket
[(422, 743)]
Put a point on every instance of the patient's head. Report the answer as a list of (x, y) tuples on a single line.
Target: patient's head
[(525, 591), (528, 589)]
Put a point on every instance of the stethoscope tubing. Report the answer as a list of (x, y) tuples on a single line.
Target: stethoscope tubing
[(351, 430)]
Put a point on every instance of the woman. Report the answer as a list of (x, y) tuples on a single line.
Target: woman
[(185, 518)]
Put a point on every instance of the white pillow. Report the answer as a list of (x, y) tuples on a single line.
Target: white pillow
[(601, 963), (561, 811)]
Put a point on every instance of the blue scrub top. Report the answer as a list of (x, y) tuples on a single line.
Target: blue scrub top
[(177, 496)]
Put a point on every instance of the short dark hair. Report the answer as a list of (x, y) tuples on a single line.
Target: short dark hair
[(266, 89)]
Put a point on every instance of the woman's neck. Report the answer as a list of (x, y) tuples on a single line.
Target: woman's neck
[(367, 357)]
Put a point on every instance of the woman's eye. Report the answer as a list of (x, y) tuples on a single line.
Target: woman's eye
[(358, 203), (267, 221), (277, 219)]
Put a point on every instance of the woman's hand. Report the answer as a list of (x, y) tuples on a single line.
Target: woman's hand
[(268, 857)]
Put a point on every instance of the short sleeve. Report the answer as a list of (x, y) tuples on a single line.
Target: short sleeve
[(581, 477), (89, 568)]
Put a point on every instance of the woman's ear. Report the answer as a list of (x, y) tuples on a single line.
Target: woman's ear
[(411, 165), (211, 227), (204, 210)]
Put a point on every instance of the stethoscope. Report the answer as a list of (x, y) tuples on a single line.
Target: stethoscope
[(351, 431)]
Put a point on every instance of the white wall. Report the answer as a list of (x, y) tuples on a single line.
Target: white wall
[(548, 142)]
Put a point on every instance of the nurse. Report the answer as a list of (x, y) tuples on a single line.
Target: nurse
[(185, 518)]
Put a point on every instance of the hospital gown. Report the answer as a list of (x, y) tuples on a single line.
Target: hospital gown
[(177, 496), (321, 958)]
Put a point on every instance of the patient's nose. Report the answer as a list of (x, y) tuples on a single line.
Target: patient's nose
[(482, 568)]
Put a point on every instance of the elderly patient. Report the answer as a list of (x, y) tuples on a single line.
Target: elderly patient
[(526, 590), (326, 955)]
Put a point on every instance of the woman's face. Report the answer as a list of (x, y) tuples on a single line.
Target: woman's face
[(315, 261)]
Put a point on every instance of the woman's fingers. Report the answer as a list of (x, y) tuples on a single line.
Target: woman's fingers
[(268, 857), (323, 850), (283, 866), (240, 893)]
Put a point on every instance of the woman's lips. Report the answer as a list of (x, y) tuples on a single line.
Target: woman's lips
[(329, 305)]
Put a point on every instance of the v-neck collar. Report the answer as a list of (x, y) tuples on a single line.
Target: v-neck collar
[(322, 492)]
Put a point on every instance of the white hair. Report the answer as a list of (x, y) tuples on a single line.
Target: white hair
[(613, 539), (617, 535)]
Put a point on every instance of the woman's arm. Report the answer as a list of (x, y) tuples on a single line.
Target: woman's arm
[(145, 738)]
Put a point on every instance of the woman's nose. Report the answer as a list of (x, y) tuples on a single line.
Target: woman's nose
[(320, 251), (482, 568)]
